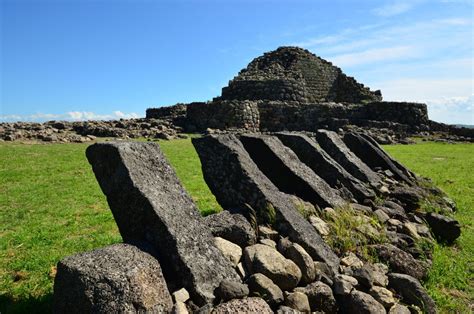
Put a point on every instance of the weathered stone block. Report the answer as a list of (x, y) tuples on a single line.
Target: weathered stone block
[(150, 205), (119, 278)]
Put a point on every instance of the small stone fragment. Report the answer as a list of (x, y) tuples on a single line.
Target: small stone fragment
[(268, 242), (320, 225), (344, 284), (181, 295), (230, 250), (351, 260), (399, 309), (383, 296), (320, 297), (267, 233), (360, 302)]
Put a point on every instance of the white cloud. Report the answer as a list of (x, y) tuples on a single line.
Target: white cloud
[(395, 8), (69, 116), (374, 55)]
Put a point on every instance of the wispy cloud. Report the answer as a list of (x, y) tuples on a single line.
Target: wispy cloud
[(68, 116), (374, 55), (395, 8)]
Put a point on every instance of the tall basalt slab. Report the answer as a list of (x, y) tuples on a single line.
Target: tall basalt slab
[(282, 166), (372, 155), (321, 163), (237, 183), (150, 205), (335, 147)]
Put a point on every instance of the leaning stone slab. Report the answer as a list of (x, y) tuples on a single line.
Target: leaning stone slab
[(119, 278), (373, 155), (281, 165), (335, 147), (323, 165), (239, 185), (150, 205)]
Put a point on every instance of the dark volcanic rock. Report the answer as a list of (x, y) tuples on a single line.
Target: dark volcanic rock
[(358, 302), (150, 205), (320, 297), (321, 163), (116, 279), (444, 228), (281, 165), (409, 196), (412, 292), (400, 261), (372, 155), (335, 147), (232, 227), (237, 183)]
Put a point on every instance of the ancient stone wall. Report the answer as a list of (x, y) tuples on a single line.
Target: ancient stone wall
[(223, 114)]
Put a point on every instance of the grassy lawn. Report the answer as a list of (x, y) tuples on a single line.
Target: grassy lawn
[(451, 167), (51, 206)]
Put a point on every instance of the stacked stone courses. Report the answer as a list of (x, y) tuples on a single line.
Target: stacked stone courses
[(291, 89)]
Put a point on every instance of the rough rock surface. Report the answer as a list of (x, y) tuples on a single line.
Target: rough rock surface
[(230, 250), (263, 259), (261, 285), (401, 261), (360, 302), (232, 227), (336, 148), (229, 290), (224, 157), (305, 263), (320, 297), (247, 305), (444, 228), (298, 301), (150, 205), (321, 163), (117, 278), (412, 291), (281, 165)]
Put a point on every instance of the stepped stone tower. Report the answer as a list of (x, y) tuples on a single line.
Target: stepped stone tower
[(295, 74)]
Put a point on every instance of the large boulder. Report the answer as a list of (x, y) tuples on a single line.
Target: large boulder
[(400, 261), (248, 305), (118, 278), (444, 228), (358, 302), (150, 206), (260, 258), (232, 227), (411, 291)]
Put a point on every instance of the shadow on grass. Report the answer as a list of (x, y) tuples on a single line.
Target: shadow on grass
[(42, 304)]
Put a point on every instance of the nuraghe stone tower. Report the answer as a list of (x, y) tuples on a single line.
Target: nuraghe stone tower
[(292, 89), (295, 74)]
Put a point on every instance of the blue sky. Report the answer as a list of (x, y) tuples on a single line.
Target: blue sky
[(88, 59)]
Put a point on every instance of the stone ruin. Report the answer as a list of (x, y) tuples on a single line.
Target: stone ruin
[(274, 247), (291, 89)]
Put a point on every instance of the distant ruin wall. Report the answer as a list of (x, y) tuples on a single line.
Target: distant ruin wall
[(293, 116), (223, 115)]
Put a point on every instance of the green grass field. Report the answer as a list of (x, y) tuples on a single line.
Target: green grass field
[(51, 206)]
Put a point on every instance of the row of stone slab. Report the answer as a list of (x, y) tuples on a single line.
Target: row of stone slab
[(154, 213)]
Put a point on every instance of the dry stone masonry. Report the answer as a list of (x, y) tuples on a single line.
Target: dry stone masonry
[(313, 222), (291, 89)]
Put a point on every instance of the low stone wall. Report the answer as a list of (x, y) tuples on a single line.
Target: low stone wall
[(178, 110)]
